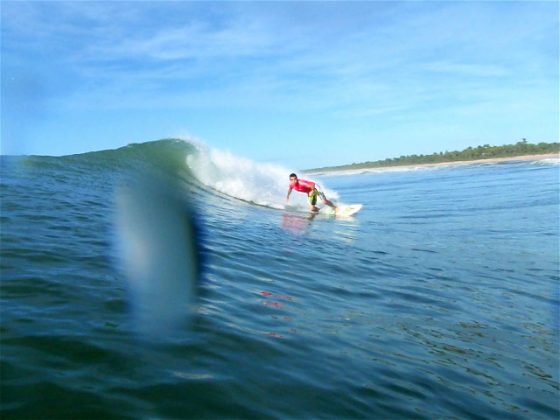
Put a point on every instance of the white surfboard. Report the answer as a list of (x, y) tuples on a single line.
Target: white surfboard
[(343, 210), (348, 210)]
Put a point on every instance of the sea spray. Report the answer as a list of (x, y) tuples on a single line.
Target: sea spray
[(264, 184)]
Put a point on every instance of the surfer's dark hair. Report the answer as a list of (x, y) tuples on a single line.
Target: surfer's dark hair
[(293, 175)]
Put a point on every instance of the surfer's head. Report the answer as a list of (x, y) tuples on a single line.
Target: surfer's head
[(293, 178)]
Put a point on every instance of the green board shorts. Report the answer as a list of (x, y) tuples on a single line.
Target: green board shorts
[(312, 197)]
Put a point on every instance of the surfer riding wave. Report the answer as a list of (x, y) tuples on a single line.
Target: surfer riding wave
[(309, 188)]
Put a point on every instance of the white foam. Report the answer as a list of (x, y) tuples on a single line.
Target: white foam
[(265, 184), (548, 161)]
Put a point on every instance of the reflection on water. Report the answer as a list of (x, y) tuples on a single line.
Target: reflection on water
[(297, 223)]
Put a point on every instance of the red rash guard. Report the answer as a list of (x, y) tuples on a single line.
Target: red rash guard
[(302, 185)]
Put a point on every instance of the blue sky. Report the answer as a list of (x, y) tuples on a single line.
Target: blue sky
[(301, 84)]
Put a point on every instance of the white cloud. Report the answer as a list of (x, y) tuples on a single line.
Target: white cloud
[(196, 40), (464, 69)]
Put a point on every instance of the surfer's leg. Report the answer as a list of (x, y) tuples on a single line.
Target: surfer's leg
[(313, 200), (326, 200)]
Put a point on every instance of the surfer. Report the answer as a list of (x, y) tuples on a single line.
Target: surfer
[(309, 188)]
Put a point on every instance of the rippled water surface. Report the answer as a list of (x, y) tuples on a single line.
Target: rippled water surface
[(439, 299)]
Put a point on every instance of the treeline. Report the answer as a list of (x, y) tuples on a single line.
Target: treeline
[(521, 148)]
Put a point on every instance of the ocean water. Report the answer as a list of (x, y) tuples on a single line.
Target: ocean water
[(440, 299)]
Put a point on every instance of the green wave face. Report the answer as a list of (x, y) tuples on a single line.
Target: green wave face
[(168, 155)]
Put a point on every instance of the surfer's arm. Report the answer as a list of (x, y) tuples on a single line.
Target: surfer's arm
[(289, 192)]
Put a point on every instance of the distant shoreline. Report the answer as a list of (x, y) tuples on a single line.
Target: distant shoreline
[(390, 168)]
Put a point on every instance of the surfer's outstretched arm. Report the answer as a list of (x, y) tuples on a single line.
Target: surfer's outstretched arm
[(288, 196)]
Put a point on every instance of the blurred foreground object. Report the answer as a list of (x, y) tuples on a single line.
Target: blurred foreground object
[(158, 251)]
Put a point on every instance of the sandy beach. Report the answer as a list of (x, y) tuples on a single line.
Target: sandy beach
[(419, 166)]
